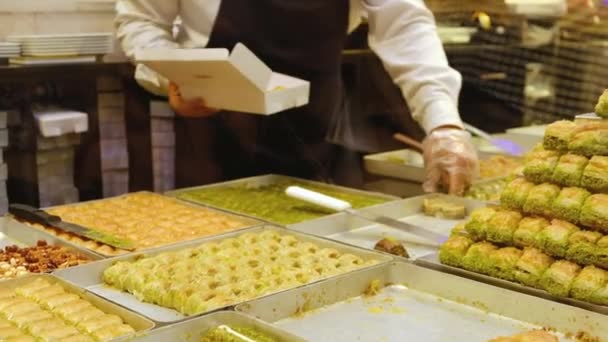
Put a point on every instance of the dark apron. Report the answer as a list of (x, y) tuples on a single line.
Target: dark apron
[(304, 39)]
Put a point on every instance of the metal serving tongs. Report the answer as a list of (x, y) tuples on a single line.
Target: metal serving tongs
[(431, 238)]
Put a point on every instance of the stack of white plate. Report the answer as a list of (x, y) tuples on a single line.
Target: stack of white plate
[(9, 50), (57, 45)]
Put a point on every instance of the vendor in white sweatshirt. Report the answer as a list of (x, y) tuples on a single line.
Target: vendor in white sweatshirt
[(305, 39)]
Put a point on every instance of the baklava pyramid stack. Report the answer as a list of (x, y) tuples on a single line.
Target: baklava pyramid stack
[(551, 229)]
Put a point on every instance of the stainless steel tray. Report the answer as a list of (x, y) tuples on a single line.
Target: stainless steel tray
[(139, 323), (355, 231), (90, 276), (432, 261), (247, 221), (191, 330), (417, 304), (13, 232), (269, 180), (589, 118), (384, 164)]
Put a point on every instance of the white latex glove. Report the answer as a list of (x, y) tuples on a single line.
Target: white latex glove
[(450, 159)]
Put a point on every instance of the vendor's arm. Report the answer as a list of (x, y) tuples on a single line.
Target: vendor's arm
[(146, 24), (404, 35)]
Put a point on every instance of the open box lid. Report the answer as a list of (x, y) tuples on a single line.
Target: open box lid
[(237, 81)]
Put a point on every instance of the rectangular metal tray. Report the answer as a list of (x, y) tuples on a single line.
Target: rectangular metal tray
[(264, 180), (381, 164), (191, 330), (13, 232), (248, 221), (417, 304), (526, 142), (432, 261), (139, 323), (355, 231), (90, 276), (589, 118)]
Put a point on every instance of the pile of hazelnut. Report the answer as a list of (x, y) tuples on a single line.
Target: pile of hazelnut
[(16, 261)]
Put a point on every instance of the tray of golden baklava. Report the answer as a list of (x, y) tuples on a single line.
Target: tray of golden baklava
[(173, 283), (45, 308), (147, 219)]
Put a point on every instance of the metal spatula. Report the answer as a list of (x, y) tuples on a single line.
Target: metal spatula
[(434, 239)]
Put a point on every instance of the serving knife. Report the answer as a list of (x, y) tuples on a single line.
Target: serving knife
[(34, 215)]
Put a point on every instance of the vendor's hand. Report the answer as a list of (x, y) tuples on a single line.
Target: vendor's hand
[(189, 108), (450, 159)]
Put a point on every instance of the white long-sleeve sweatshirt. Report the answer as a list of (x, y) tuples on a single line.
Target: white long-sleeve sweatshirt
[(401, 32)]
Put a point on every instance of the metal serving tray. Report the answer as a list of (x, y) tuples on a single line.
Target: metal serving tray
[(265, 180), (432, 261), (417, 304), (383, 164), (589, 118), (139, 323), (191, 330), (13, 232), (247, 221), (355, 231), (90, 276)]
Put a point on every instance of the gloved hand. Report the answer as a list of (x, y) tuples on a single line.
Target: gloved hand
[(450, 159), (189, 108)]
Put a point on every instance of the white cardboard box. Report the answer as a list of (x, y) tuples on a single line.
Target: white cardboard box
[(236, 81), (57, 122)]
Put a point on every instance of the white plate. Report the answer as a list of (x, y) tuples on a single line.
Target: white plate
[(70, 48), (52, 61), (63, 54), (64, 43), (60, 36), (69, 41)]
